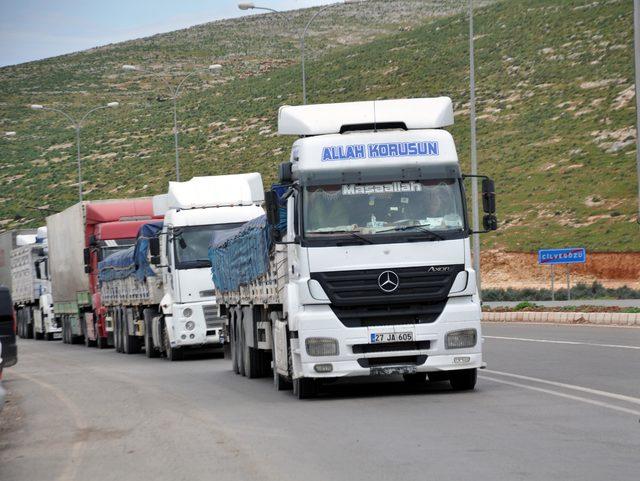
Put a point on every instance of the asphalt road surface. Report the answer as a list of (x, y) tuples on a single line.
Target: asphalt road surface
[(556, 403)]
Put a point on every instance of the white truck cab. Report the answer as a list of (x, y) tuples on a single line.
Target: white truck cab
[(193, 211), (379, 278)]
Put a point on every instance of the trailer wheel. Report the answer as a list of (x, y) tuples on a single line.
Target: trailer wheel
[(101, 342), (250, 358), (233, 335), (65, 331), (464, 380), (117, 339), (30, 330), (305, 388)]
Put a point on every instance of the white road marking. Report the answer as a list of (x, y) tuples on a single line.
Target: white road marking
[(552, 341), (563, 395), (612, 395)]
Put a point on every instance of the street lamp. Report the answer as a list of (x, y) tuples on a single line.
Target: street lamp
[(251, 6), (174, 92), (636, 48), (77, 124), (474, 154)]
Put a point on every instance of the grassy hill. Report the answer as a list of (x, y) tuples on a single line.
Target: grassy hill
[(555, 100)]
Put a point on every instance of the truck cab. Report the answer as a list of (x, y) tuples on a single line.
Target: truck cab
[(194, 212), (377, 239)]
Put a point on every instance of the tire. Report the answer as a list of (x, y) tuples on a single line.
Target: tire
[(464, 380), (280, 383), (29, 324), (233, 343), (305, 388), (171, 354), (65, 331), (415, 379), (149, 349), (39, 336), (117, 339), (250, 358)]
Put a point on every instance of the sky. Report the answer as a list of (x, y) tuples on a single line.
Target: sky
[(37, 29)]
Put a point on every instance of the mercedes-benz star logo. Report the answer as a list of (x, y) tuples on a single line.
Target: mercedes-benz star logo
[(388, 281)]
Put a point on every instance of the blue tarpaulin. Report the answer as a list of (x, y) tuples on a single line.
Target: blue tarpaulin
[(240, 255), (131, 261)]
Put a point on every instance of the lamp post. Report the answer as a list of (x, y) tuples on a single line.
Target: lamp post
[(636, 49), (251, 6), (474, 154), (77, 124), (174, 92)]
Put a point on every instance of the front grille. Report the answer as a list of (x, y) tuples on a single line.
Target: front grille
[(390, 347), (361, 287), (358, 300), (388, 315), (392, 361)]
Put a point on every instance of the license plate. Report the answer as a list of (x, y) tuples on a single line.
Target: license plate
[(391, 337)]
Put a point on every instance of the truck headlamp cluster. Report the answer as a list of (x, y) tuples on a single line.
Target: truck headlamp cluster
[(187, 312), (322, 346), (461, 339)]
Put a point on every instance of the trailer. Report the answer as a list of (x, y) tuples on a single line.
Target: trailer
[(31, 290), (157, 293), (362, 264), (80, 237), (8, 241)]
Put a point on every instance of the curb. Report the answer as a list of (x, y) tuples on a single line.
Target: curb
[(598, 318)]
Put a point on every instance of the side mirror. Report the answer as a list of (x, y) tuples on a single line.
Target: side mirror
[(284, 173), (86, 253), (488, 196), (154, 247), (489, 222), (87, 269), (271, 207), (38, 271)]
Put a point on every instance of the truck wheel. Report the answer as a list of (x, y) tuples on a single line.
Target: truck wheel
[(305, 388), (117, 339), (251, 364), (149, 349), (233, 343), (38, 335), (464, 380), (280, 382), (29, 322), (171, 353), (65, 331)]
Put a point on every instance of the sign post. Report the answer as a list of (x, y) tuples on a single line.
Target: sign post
[(570, 255)]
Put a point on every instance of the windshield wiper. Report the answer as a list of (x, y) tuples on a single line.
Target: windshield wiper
[(419, 228), (351, 233)]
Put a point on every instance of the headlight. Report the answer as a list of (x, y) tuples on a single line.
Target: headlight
[(461, 339), (189, 325), (187, 312), (321, 346)]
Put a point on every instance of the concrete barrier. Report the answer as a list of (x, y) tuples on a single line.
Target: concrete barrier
[(598, 318)]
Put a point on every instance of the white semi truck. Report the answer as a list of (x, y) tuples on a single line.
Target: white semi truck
[(31, 288), (371, 272), (158, 293)]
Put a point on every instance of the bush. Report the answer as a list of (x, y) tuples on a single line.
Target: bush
[(579, 291)]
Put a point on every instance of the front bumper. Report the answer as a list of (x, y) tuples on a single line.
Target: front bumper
[(207, 326), (432, 356)]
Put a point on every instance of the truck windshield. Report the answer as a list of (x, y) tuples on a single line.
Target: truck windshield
[(431, 208), (191, 244)]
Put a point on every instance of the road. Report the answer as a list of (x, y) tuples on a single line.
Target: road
[(556, 402), (578, 302)]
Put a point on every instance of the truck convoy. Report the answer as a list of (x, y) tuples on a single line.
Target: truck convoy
[(362, 264), (79, 237), (157, 293), (31, 288)]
